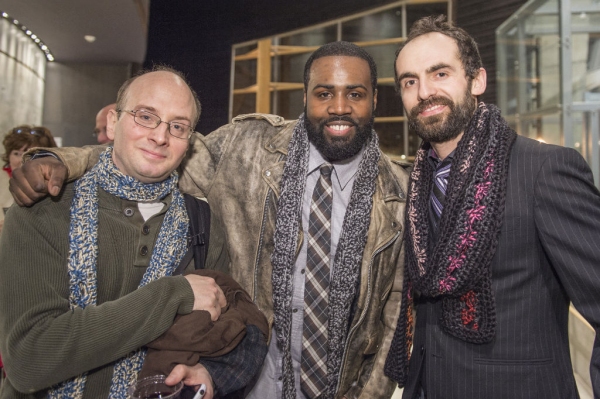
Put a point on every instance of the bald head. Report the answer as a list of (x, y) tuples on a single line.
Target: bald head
[(101, 121)]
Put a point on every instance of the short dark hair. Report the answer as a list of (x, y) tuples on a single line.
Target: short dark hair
[(15, 141), (344, 49), (467, 47), (122, 93)]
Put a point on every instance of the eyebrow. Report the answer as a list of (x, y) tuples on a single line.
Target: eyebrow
[(431, 69), (154, 110), (331, 87)]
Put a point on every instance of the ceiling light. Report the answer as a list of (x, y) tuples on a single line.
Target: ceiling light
[(90, 38), (33, 37)]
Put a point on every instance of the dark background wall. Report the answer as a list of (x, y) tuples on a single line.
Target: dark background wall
[(196, 36)]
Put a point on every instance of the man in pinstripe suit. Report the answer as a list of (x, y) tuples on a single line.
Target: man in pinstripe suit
[(501, 236)]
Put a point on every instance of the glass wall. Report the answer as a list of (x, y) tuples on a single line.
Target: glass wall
[(549, 74), (379, 31)]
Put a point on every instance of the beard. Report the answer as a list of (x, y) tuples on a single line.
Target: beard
[(338, 148), (441, 128)]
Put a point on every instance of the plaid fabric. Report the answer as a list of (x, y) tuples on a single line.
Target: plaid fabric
[(237, 369), (314, 336)]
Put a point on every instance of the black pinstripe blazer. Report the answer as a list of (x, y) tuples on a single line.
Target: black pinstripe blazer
[(548, 255)]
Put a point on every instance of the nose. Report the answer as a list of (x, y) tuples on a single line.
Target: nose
[(426, 90), (339, 106), (160, 134)]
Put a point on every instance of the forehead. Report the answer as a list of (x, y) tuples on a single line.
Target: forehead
[(161, 90), (341, 70), (427, 50)]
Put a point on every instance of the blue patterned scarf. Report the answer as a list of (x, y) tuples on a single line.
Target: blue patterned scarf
[(169, 248)]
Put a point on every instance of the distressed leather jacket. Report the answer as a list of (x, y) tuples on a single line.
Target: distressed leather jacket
[(238, 169)]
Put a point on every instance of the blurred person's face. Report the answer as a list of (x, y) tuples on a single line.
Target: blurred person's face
[(16, 157), (150, 155), (101, 122)]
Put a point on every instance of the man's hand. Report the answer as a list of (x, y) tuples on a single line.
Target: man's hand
[(207, 295), (191, 376), (36, 179)]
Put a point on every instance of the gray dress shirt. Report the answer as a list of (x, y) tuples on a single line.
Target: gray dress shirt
[(270, 383)]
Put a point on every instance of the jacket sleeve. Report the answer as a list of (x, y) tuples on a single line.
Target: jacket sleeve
[(43, 341), (567, 217), (78, 160)]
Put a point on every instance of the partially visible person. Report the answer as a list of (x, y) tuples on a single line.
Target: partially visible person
[(16, 142), (101, 121)]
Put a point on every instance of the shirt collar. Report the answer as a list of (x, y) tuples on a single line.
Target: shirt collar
[(343, 170), (435, 160)]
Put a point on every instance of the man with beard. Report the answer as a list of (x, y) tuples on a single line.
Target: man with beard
[(501, 236), (313, 215)]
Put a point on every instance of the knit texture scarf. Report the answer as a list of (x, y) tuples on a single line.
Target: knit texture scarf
[(168, 250), (346, 265), (456, 269)]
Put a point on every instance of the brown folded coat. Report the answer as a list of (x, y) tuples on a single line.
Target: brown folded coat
[(195, 336)]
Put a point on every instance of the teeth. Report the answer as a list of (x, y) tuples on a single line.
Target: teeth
[(433, 108), (338, 127)]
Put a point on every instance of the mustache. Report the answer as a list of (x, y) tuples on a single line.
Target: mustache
[(342, 118), (417, 109)]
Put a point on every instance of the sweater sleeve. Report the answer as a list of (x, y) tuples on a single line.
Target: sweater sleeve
[(43, 341)]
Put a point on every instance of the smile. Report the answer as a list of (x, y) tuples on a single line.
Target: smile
[(433, 110), (338, 129)]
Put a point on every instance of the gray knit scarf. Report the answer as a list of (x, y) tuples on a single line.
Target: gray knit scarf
[(83, 253), (348, 257), (457, 270)]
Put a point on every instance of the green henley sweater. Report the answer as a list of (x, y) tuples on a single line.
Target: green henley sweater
[(43, 342)]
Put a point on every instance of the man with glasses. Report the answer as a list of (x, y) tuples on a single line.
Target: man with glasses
[(86, 277), (101, 121)]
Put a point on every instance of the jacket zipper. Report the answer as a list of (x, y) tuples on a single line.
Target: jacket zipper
[(363, 314), (260, 244)]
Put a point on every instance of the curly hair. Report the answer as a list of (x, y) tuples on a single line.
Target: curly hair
[(15, 140)]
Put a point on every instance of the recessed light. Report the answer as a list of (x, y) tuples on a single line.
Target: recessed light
[(90, 38)]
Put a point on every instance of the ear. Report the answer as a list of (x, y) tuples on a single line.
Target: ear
[(305, 99), (479, 83), (111, 120), (375, 100)]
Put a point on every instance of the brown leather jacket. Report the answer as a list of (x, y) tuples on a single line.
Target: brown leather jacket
[(238, 169)]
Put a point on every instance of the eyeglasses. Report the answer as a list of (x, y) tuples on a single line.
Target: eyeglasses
[(152, 121), (26, 130)]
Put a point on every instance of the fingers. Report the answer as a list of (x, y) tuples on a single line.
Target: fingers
[(191, 376), (56, 177), (37, 178), (178, 373), (207, 295)]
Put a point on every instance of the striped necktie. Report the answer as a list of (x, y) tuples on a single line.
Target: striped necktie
[(440, 183), (313, 375)]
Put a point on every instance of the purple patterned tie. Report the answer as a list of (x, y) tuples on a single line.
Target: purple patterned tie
[(313, 375), (440, 183)]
